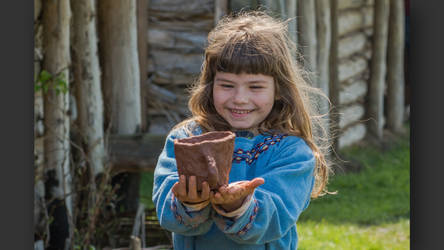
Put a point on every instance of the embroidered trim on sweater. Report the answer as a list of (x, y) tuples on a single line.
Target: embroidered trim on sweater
[(250, 222), (249, 156), (174, 209)]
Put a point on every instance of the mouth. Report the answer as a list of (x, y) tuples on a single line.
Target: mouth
[(241, 111)]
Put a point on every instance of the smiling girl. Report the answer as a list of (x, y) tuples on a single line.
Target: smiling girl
[(251, 85)]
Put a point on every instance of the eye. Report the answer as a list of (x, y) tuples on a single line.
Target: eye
[(227, 86), (256, 87)]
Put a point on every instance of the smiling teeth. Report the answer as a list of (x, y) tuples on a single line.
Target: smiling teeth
[(240, 111)]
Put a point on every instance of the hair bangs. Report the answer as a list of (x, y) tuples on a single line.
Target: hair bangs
[(244, 57)]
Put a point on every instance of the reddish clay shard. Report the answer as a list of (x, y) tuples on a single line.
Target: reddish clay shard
[(207, 156)]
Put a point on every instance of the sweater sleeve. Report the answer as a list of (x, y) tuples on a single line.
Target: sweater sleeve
[(171, 213), (278, 203)]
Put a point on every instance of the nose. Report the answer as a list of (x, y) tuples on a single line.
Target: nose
[(240, 96)]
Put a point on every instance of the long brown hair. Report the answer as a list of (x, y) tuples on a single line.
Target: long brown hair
[(255, 43)]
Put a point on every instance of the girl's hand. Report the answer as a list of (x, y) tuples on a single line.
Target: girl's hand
[(232, 196), (179, 190)]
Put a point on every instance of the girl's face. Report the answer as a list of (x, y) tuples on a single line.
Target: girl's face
[(243, 100)]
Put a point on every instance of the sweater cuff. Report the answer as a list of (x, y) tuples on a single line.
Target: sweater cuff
[(195, 206), (236, 213)]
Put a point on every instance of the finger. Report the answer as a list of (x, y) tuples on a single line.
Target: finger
[(174, 188), (205, 191), (256, 182), (182, 188), (192, 189), (217, 198)]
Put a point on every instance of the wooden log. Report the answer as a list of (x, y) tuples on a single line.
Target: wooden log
[(378, 68), (142, 45), (323, 21), (334, 73), (56, 18), (121, 81), (220, 10), (307, 35), (135, 153), (87, 82), (135, 243), (291, 14), (395, 67)]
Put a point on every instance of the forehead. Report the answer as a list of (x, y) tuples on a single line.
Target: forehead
[(243, 77)]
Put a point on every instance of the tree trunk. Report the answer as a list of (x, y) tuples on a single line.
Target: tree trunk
[(324, 39), (378, 68), (121, 79), (333, 75), (395, 70), (220, 10), (87, 82), (307, 35), (56, 19)]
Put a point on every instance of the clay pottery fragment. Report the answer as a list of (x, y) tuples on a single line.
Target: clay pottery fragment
[(207, 156)]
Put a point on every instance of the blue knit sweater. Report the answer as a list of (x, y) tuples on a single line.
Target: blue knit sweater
[(285, 162)]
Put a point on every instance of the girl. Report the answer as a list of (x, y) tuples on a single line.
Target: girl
[(251, 85)]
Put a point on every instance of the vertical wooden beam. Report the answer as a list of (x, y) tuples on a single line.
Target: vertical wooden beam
[(88, 83), (395, 66), (334, 86), (378, 68), (142, 44), (323, 22), (307, 34), (220, 10), (291, 14), (121, 81), (56, 42)]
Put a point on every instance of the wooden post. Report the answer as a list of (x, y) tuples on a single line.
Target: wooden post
[(334, 86), (56, 19), (323, 21), (142, 44), (378, 68), (87, 82), (291, 14), (307, 34), (395, 66), (121, 81), (220, 10)]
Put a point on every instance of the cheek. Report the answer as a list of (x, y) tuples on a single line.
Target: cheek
[(218, 100)]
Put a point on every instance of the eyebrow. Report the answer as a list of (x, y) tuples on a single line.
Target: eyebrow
[(226, 80)]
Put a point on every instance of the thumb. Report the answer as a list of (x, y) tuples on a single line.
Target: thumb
[(256, 182)]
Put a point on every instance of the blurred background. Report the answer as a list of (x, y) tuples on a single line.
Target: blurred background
[(112, 78)]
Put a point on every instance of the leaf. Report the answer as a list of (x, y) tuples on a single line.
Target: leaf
[(45, 88), (37, 87), (44, 76)]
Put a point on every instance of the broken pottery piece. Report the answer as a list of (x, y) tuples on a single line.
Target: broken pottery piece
[(207, 156)]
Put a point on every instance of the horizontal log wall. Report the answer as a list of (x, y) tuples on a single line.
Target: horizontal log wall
[(355, 22), (177, 33)]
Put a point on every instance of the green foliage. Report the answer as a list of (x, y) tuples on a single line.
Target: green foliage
[(146, 190), (47, 80)]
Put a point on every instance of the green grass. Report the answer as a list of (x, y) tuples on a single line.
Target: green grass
[(327, 235), (146, 190), (372, 207)]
